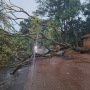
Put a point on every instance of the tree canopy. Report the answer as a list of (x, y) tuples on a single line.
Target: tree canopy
[(64, 28)]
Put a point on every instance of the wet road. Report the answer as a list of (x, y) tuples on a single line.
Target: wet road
[(72, 73), (19, 79)]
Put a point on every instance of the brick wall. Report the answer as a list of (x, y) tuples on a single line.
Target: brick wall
[(86, 43)]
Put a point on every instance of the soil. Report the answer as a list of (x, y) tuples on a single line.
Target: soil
[(71, 72)]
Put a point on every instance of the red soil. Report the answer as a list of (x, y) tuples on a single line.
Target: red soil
[(71, 72)]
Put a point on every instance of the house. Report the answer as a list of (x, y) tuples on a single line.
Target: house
[(86, 41)]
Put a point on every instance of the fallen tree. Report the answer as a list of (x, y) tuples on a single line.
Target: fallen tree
[(47, 36)]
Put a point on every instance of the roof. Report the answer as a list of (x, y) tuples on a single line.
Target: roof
[(87, 35)]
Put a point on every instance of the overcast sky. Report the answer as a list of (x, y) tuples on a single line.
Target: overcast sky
[(27, 5)]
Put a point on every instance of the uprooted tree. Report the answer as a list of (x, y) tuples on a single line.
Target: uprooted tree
[(62, 30)]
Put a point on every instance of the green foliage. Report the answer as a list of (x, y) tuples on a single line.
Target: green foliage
[(5, 59), (65, 16), (62, 14), (33, 28), (6, 47), (24, 24), (12, 47)]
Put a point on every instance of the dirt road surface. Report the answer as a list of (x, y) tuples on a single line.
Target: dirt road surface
[(60, 73)]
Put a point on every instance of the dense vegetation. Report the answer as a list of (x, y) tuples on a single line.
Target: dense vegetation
[(66, 23), (66, 16)]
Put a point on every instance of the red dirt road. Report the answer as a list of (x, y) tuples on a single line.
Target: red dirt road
[(72, 73)]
